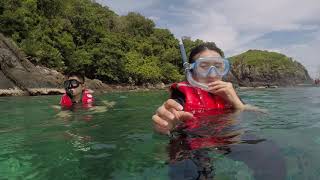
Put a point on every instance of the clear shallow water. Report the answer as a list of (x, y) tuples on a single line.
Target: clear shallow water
[(119, 144)]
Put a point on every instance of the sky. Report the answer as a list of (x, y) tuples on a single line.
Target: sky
[(291, 27)]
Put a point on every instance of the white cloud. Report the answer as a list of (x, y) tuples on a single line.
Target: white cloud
[(307, 54), (154, 18), (227, 21)]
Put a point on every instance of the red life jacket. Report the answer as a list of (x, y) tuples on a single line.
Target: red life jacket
[(198, 100), (204, 106), (87, 100)]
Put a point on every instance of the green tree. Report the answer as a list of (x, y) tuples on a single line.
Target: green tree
[(83, 35), (138, 25), (142, 69)]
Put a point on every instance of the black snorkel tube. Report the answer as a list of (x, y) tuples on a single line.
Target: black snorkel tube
[(69, 93), (187, 68), (68, 87)]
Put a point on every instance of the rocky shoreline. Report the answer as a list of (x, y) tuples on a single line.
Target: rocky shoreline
[(19, 77), (114, 88), (57, 91)]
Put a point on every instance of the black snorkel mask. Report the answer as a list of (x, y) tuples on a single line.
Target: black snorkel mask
[(69, 85)]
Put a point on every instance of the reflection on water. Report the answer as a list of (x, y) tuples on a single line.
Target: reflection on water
[(193, 148)]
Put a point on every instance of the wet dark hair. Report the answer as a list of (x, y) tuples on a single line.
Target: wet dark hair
[(79, 75), (202, 47)]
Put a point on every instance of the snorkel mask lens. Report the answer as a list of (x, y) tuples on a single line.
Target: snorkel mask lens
[(71, 84), (210, 67)]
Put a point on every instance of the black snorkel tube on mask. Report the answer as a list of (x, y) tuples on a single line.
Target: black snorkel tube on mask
[(188, 69), (68, 88), (69, 93)]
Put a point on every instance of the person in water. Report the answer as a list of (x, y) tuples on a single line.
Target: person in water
[(76, 92), (200, 118), (77, 96), (208, 66)]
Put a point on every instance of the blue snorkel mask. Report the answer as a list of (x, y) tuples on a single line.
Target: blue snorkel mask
[(210, 66), (203, 68)]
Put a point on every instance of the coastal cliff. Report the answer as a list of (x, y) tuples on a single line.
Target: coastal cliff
[(262, 68)]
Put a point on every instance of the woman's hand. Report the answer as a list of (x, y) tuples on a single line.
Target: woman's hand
[(168, 116), (227, 92)]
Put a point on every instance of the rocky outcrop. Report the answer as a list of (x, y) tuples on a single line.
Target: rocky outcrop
[(18, 76), (262, 68), (231, 78)]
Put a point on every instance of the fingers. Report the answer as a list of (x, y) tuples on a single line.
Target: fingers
[(218, 91), (165, 113), (170, 103), (160, 129), (159, 121), (178, 116), (182, 115), (220, 86), (161, 126), (216, 83), (164, 120), (168, 115), (216, 87)]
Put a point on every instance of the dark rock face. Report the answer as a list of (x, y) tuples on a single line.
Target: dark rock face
[(19, 76), (5, 83)]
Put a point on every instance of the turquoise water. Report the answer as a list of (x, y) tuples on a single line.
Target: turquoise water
[(35, 143)]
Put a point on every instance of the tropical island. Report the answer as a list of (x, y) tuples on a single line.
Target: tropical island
[(43, 39)]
